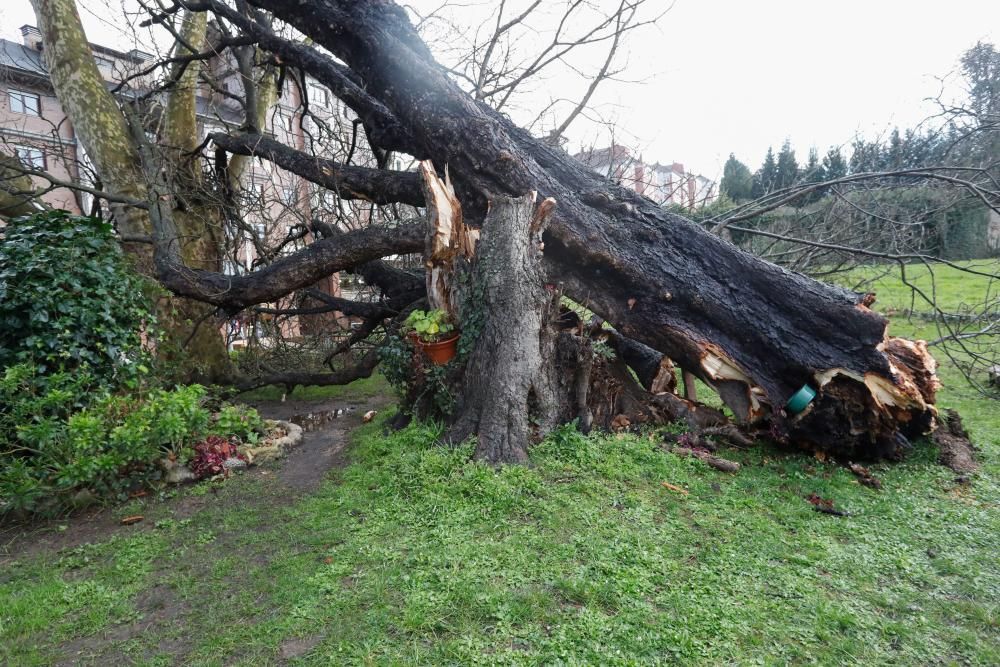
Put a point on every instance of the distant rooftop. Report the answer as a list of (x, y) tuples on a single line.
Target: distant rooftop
[(18, 56)]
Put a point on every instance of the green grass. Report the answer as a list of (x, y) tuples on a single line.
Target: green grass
[(368, 387), (414, 555), (950, 287)]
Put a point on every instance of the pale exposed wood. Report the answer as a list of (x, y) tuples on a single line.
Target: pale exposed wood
[(447, 238), (690, 388)]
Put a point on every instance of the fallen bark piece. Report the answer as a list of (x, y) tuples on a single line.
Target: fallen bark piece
[(865, 476), (824, 505), (725, 465), (674, 487), (129, 520), (730, 432), (956, 451)]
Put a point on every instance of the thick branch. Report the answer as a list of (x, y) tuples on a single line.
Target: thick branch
[(382, 125), (375, 185), (292, 379), (304, 268)]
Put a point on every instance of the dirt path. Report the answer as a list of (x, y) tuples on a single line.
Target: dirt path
[(327, 426)]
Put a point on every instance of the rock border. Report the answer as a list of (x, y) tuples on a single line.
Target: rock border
[(176, 473), (277, 448)]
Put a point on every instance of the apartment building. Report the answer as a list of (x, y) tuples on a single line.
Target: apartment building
[(665, 184)]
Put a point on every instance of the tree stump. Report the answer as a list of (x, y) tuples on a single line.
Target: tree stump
[(508, 392)]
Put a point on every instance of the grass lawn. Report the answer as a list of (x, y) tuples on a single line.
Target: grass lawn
[(949, 286), (414, 555), (363, 388)]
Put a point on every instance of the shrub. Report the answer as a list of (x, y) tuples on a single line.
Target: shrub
[(57, 452), (69, 301), (240, 421), (210, 456)]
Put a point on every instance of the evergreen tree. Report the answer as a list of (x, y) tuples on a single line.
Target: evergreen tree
[(814, 172), (737, 181), (787, 171), (865, 156), (763, 181), (981, 120), (834, 164), (981, 69), (894, 154)]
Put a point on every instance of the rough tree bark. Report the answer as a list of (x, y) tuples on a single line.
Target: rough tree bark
[(199, 219), (111, 145), (509, 380), (533, 363), (752, 330)]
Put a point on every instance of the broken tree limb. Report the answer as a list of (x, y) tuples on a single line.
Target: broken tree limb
[(955, 450), (690, 388), (447, 239), (654, 369), (317, 261), (753, 331), (719, 463)]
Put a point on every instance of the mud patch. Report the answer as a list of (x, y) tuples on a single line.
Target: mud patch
[(298, 647), (158, 607)]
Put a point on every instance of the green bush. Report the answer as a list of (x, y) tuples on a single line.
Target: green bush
[(56, 452), (238, 420), (69, 301), (72, 314)]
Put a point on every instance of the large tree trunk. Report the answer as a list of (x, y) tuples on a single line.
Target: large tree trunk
[(509, 381), (193, 348), (534, 363), (753, 331)]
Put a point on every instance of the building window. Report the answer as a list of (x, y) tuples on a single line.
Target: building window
[(318, 95), (31, 157), (328, 199), (285, 121), (290, 196), (26, 103)]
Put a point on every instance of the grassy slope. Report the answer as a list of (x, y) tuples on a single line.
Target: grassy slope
[(414, 555)]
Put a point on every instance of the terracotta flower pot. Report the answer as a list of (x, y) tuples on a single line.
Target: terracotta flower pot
[(440, 352)]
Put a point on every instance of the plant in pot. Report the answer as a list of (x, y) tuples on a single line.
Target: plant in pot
[(433, 333)]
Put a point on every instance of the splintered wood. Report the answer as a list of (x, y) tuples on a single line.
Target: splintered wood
[(447, 237)]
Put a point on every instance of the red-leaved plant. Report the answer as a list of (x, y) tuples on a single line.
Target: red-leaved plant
[(210, 456)]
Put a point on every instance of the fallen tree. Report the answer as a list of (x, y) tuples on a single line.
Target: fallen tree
[(754, 332)]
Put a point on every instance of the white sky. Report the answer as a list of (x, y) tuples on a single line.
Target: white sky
[(730, 75)]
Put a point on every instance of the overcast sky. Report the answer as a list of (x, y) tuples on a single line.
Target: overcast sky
[(721, 76)]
